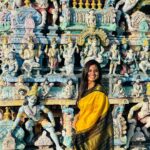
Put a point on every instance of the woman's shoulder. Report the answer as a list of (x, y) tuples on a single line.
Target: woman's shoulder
[(101, 89)]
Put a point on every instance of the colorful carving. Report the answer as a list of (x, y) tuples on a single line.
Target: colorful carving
[(64, 35)]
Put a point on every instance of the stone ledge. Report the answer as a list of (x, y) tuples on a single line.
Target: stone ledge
[(67, 102)]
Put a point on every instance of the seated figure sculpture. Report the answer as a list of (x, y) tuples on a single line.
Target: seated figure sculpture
[(32, 109), (28, 54)]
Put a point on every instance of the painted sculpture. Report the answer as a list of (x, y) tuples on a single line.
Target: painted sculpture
[(33, 112)]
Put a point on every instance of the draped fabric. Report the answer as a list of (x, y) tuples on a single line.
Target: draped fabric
[(94, 126)]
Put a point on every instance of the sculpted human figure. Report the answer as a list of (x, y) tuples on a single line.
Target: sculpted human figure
[(33, 109), (68, 55), (55, 12), (119, 125), (54, 56), (130, 63), (93, 50), (114, 59), (5, 47), (68, 90), (41, 6), (28, 54), (91, 19), (65, 15), (44, 89), (10, 65), (144, 64), (20, 88), (143, 116), (118, 90), (137, 90), (127, 6)]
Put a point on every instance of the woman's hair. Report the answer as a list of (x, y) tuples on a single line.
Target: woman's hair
[(84, 78)]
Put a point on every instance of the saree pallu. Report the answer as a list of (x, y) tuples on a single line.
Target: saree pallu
[(99, 137)]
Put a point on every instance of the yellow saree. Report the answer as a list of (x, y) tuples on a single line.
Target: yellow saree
[(93, 127)]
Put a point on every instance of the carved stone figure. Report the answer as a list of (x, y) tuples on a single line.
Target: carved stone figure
[(114, 59), (119, 126), (91, 19), (33, 112), (118, 90), (130, 63), (93, 50), (10, 65), (69, 90), (144, 64), (137, 90), (65, 15), (142, 116), (20, 88), (5, 49), (29, 25), (28, 54), (127, 6), (41, 6), (44, 89), (68, 55), (55, 12), (138, 21), (54, 56)]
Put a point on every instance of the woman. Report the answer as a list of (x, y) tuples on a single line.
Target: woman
[(93, 123)]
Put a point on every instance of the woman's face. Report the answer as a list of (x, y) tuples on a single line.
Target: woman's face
[(93, 73)]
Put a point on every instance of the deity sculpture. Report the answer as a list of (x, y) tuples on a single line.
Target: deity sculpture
[(144, 64), (28, 54), (5, 48), (55, 12), (68, 55), (10, 65), (68, 91), (32, 108), (44, 89), (20, 88), (138, 21), (41, 6), (93, 50), (128, 5), (142, 116), (65, 15), (114, 58), (119, 126), (29, 25), (54, 56), (137, 90), (91, 19), (118, 90), (130, 63)]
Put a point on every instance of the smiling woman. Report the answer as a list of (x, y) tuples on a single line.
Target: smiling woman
[(93, 123)]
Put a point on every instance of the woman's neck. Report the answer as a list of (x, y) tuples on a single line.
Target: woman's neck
[(91, 85)]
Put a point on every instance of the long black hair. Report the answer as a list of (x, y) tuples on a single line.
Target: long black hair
[(84, 78)]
